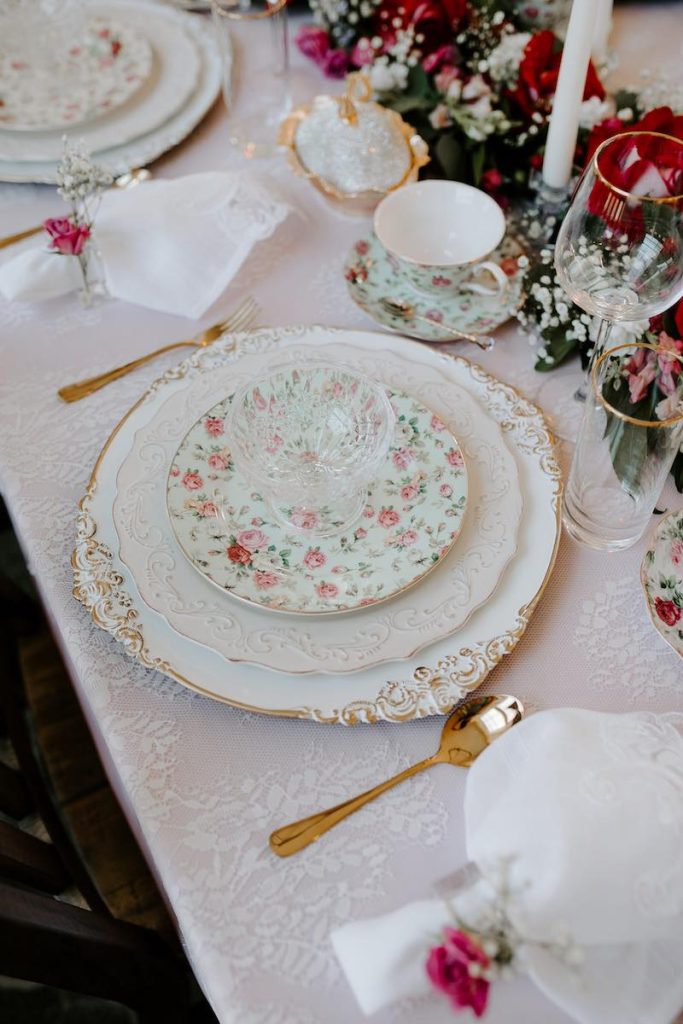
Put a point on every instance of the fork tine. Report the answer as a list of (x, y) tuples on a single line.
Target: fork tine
[(226, 324), (246, 317)]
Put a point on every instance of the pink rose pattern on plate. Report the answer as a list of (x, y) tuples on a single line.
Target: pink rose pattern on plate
[(103, 68), (662, 577), (410, 522)]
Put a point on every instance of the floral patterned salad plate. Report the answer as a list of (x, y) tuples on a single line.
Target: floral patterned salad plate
[(411, 519), (661, 574), (97, 71), (372, 274)]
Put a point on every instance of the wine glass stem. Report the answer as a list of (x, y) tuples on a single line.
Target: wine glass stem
[(599, 346)]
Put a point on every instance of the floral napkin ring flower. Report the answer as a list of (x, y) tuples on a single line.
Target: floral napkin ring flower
[(81, 183)]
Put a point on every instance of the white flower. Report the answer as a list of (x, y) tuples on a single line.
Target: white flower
[(440, 116), (454, 90), (624, 333), (475, 88), (595, 110), (625, 114), (480, 109), (504, 61), (385, 77)]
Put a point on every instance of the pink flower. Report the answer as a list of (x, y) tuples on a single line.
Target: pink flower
[(388, 517), (670, 366), (676, 552), (236, 553), (446, 77), (214, 426), (314, 558), (667, 611), (252, 540), (362, 53), (448, 967), (336, 569), (66, 237), (192, 480), (409, 492), (368, 512), (207, 509), (335, 64), (445, 490), (491, 180), (434, 314), (407, 538), (327, 590), (640, 371), (218, 461), (437, 424), (257, 521), (439, 281), (175, 471), (304, 518), (441, 58), (402, 457), (362, 247), (264, 579), (313, 42), (454, 457), (259, 400), (360, 533)]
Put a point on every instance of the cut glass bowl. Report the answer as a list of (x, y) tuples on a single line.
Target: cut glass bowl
[(310, 437)]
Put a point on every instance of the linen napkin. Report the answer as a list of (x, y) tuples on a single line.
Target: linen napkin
[(586, 811), (173, 246)]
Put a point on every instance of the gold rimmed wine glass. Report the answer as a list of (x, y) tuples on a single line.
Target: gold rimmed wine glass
[(619, 252)]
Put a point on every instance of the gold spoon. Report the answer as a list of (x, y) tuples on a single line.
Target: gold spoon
[(127, 180), (466, 732), (404, 311)]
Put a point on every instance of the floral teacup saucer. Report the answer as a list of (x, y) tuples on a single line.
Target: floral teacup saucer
[(413, 515), (372, 274), (661, 574)]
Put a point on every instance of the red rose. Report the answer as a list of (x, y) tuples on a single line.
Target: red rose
[(435, 20), (538, 73), (313, 42), (661, 119), (667, 611), (66, 237), (451, 969), (236, 553)]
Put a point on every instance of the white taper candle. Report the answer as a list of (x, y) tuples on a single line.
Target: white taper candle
[(564, 122), (603, 27)]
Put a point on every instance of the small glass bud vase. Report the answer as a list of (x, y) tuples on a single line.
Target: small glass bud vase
[(94, 288)]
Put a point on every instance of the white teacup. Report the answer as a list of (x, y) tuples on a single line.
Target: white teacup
[(439, 233)]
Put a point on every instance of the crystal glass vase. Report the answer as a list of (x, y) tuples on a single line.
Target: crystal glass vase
[(310, 436)]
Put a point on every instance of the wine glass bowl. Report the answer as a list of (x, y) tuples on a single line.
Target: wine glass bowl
[(619, 253), (310, 436)]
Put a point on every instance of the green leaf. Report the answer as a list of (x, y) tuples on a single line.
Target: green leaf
[(478, 158), (451, 155), (677, 471), (628, 450)]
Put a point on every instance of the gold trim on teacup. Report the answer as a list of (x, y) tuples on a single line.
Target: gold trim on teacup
[(98, 586)]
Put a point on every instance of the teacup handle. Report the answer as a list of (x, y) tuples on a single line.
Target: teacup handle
[(498, 274)]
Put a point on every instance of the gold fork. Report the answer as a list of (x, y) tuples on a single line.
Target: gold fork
[(243, 316)]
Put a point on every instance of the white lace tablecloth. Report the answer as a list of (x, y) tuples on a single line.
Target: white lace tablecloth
[(204, 784)]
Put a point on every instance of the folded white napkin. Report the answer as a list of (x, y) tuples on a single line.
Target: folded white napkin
[(588, 808), (170, 245)]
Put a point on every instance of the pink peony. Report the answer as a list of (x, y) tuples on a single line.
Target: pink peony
[(313, 42), (676, 552), (454, 457), (304, 518), (207, 509), (314, 558), (192, 480), (407, 538), (448, 967), (66, 237), (445, 490), (252, 540), (214, 426), (388, 517), (264, 579), (327, 590), (402, 457), (437, 424), (218, 461), (668, 611), (409, 492), (360, 533)]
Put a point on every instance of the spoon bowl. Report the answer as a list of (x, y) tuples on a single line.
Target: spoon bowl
[(466, 733)]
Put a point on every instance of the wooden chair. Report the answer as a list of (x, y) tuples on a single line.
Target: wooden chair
[(55, 926)]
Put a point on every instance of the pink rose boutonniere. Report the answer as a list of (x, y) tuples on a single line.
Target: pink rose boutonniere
[(461, 970), (66, 237)]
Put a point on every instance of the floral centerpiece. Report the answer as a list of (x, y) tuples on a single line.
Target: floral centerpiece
[(478, 86)]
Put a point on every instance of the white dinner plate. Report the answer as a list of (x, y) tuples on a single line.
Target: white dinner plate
[(439, 606), (432, 684), (144, 148), (173, 77)]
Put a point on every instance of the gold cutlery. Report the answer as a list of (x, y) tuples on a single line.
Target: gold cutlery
[(128, 180), (403, 310), (243, 316), (466, 732)]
